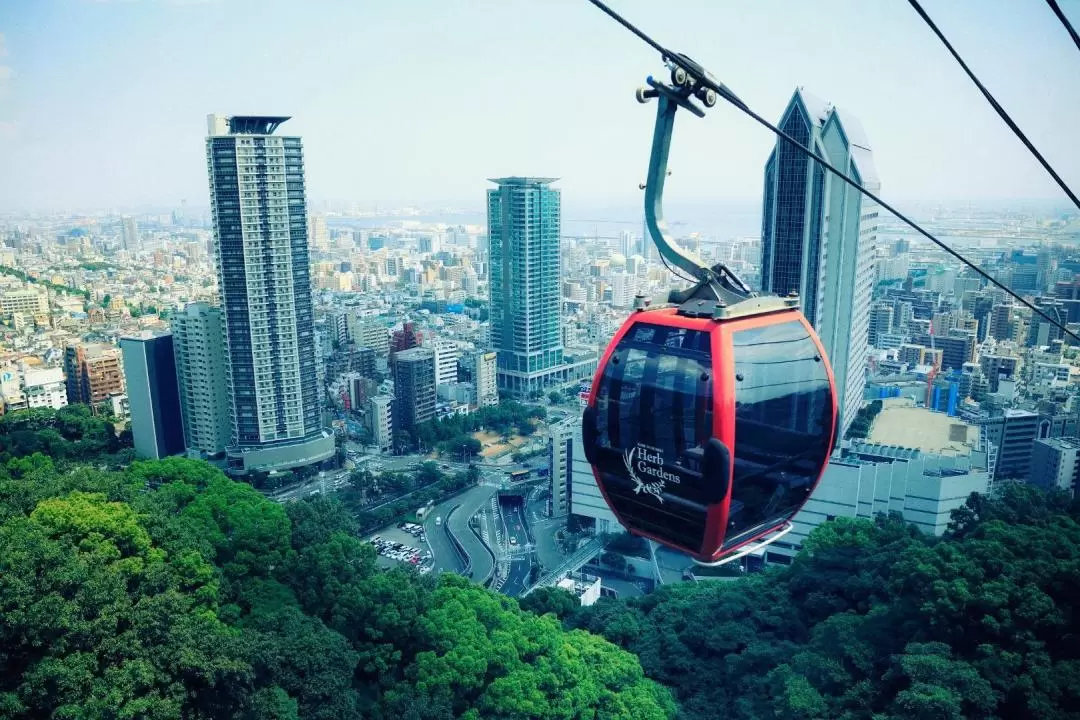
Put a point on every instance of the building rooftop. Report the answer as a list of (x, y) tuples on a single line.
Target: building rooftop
[(1015, 413), (245, 124), (416, 353), (577, 584), (94, 351), (142, 335), (1061, 443), (516, 180), (904, 425)]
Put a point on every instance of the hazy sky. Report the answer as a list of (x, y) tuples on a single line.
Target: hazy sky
[(103, 104)]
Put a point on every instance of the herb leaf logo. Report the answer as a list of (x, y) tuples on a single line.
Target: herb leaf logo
[(656, 489)]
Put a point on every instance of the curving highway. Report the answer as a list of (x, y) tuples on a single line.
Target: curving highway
[(446, 559)]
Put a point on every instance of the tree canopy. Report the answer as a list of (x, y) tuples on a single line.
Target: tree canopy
[(70, 433), (167, 590), (874, 620)]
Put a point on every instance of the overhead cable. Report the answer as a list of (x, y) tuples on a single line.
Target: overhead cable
[(1064, 21), (994, 103), (731, 98)]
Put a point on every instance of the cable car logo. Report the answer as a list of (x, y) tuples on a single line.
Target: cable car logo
[(649, 461)]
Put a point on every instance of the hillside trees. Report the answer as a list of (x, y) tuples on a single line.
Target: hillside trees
[(875, 620), (168, 591)]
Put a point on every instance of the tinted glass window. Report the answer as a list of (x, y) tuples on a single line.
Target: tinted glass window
[(653, 417), (783, 418)]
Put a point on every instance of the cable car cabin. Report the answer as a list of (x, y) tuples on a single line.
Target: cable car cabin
[(706, 434)]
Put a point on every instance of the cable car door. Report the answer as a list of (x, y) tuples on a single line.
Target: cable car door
[(784, 423)]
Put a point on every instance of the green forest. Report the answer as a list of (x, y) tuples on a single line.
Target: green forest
[(877, 621), (165, 590)]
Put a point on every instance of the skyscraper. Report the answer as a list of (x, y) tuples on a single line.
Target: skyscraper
[(153, 396), (524, 230), (198, 342), (259, 208), (818, 235)]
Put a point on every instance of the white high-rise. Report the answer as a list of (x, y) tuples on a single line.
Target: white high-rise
[(485, 373), (447, 355), (259, 206), (199, 345), (623, 289), (818, 236)]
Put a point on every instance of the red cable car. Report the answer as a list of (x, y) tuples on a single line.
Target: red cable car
[(712, 413)]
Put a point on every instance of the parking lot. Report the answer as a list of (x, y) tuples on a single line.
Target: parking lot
[(403, 544)]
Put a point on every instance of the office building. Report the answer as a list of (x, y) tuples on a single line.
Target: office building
[(1041, 331), (917, 463), (997, 368), (414, 388), (560, 464), (586, 500), (199, 345), (957, 348), (1013, 433), (94, 373), (1055, 463), (818, 236), (406, 338), (28, 300), (866, 479), (524, 219), (623, 289), (259, 210), (21, 389), (153, 394), (881, 318)]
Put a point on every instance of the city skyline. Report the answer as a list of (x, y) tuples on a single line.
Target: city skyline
[(931, 129)]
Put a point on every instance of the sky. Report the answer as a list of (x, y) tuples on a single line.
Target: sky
[(103, 102)]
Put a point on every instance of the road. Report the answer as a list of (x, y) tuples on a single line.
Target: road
[(521, 559), (470, 501), (444, 556), (331, 481)]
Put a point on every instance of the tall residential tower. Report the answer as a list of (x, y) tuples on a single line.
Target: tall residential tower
[(818, 236), (259, 208), (199, 344), (526, 324)]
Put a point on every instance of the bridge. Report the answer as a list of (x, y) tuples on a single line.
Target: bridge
[(572, 564)]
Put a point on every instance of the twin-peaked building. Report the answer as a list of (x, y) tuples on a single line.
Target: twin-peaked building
[(818, 235)]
